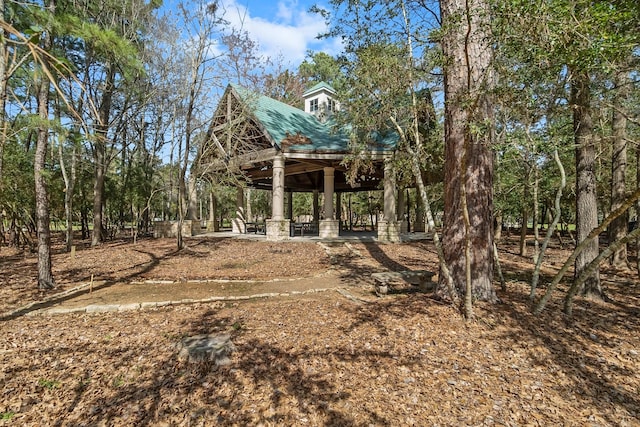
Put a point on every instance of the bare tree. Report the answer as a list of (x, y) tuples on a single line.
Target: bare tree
[(205, 23)]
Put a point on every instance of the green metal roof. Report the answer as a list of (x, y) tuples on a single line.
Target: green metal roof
[(281, 120), (319, 86)]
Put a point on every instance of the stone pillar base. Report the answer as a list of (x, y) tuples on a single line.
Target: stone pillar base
[(404, 226), (329, 228), (388, 231), (278, 229), (238, 225), (163, 229)]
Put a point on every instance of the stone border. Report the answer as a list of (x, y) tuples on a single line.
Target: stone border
[(32, 309), (172, 282), (118, 308)]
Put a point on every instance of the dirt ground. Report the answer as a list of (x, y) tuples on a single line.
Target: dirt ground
[(338, 357)]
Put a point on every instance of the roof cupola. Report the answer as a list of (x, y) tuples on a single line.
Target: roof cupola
[(320, 101)]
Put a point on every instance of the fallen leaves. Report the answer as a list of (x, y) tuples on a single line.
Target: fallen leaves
[(318, 359)]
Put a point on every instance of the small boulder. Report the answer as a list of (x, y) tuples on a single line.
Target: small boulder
[(210, 348)]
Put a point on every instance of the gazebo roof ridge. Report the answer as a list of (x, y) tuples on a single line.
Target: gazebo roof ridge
[(318, 87), (283, 121)]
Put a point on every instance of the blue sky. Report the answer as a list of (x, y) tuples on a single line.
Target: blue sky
[(283, 29)]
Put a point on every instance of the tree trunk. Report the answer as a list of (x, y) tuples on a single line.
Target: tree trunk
[(497, 223), (212, 211), (192, 208), (638, 207), (69, 187), (69, 177), (184, 160), (536, 232), (618, 228), (3, 98), (581, 247), (573, 290), (45, 275), (100, 155), (552, 225), (468, 134), (98, 195), (586, 198), (524, 221)]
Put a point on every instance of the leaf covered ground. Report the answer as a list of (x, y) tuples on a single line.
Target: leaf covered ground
[(329, 358)]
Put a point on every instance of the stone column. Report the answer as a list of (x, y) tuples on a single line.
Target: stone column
[(249, 210), (277, 193), (329, 226), (278, 226), (239, 223), (389, 181), (388, 227), (328, 193)]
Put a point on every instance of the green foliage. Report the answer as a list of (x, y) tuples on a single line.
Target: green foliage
[(103, 42), (587, 35), (379, 82), (363, 205), (286, 87), (17, 197), (261, 203), (6, 416), (534, 117), (302, 204), (321, 67), (384, 66), (118, 381), (49, 384)]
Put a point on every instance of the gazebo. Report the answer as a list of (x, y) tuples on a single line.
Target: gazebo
[(281, 148)]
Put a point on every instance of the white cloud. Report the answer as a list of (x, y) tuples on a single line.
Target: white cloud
[(288, 34), (286, 10)]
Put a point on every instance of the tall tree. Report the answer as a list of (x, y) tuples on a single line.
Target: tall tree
[(586, 197), (580, 41), (468, 80), (45, 275), (106, 60), (321, 67), (385, 92), (604, 35), (3, 96), (201, 27), (618, 228)]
